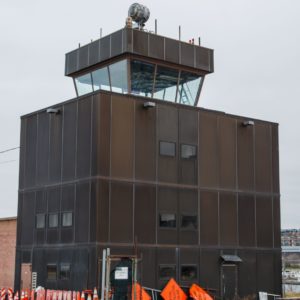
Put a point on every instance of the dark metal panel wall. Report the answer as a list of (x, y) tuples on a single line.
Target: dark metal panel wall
[(145, 143), (245, 157), (101, 134), (209, 218), (145, 214), (156, 46), (148, 266), (102, 200), (93, 211), (55, 154), (116, 43), (140, 42), (166, 257), (246, 220), (122, 137), (30, 151), (264, 221), (188, 134), (83, 153), (82, 209), (22, 153), (40, 208), (188, 257), (53, 196), (67, 205), (227, 152), (69, 140), (263, 158), (94, 52), (187, 56), (265, 267), (276, 222), (121, 213), (171, 51), (83, 57), (208, 150), (275, 159), (228, 219), (168, 132), (28, 218)]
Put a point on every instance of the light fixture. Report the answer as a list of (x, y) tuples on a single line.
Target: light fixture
[(53, 111), (149, 104), (248, 123)]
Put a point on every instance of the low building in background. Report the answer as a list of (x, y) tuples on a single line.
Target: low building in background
[(8, 228)]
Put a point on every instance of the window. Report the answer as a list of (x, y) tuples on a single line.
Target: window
[(101, 79), (189, 222), (118, 77), (167, 148), (188, 273), (40, 221), (51, 272), (65, 270), (53, 220), (142, 77), (167, 220), (166, 272), (84, 84), (188, 151), (166, 84), (67, 219), (188, 88)]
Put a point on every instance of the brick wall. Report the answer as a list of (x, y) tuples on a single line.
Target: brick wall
[(7, 251)]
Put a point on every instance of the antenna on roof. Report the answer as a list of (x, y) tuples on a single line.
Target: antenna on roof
[(139, 14)]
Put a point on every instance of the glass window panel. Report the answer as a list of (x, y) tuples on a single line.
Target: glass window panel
[(189, 222), (40, 221), (188, 151), (84, 84), (53, 220), (64, 271), (167, 272), (188, 273), (142, 76), (166, 84), (51, 272), (188, 88), (167, 148), (167, 220), (101, 79), (67, 218), (118, 77)]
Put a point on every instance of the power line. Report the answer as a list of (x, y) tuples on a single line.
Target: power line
[(7, 150)]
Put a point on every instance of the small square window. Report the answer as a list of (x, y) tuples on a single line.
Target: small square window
[(167, 220), (53, 220), (166, 272), (188, 273), (189, 222), (188, 151), (51, 272), (167, 148), (67, 219), (40, 221), (65, 270)]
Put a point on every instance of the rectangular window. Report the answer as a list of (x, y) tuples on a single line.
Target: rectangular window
[(84, 84), (167, 148), (118, 77), (188, 151), (65, 270), (101, 79), (40, 221), (67, 219), (167, 220), (51, 272), (53, 220), (166, 272), (189, 222), (188, 273)]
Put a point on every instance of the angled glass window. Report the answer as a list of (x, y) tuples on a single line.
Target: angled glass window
[(188, 87), (40, 221), (53, 220), (101, 79), (142, 76), (167, 220), (188, 273), (67, 219), (118, 77), (84, 84), (166, 272), (167, 148), (189, 222), (188, 151), (166, 84)]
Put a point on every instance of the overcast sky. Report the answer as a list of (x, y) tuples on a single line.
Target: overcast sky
[(257, 67)]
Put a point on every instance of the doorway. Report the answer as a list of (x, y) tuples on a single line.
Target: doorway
[(229, 281)]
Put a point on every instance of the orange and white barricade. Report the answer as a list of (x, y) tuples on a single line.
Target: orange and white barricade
[(3, 294), (16, 297), (10, 294)]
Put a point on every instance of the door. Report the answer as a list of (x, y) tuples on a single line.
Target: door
[(229, 281), (26, 276)]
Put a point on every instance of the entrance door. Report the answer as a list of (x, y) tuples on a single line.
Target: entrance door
[(229, 281), (26, 276)]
